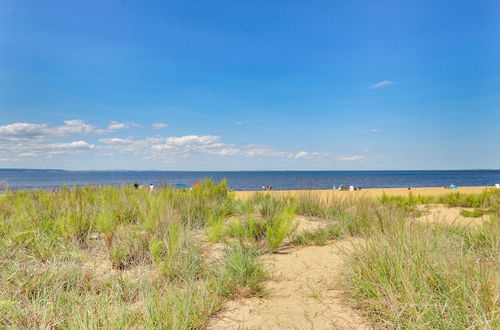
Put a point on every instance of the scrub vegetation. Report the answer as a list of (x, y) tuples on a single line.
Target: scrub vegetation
[(117, 258), (413, 275), (104, 257)]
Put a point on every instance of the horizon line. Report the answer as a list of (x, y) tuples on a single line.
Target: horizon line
[(290, 170)]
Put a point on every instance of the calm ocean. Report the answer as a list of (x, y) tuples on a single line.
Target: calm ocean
[(252, 180)]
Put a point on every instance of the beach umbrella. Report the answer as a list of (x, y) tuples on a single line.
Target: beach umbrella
[(197, 184)]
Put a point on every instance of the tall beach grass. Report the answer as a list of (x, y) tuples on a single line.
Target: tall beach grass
[(116, 258)]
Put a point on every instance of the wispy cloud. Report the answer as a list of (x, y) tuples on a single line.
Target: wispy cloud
[(165, 148), (157, 126), (382, 83), (42, 149), (31, 131), (371, 131), (69, 145), (115, 125), (29, 141), (351, 158), (302, 154), (311, 155)]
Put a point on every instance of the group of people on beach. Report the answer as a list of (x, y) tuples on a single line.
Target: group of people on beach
[(345, 187), (140, 186)]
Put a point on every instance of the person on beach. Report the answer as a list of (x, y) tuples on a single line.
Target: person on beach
[(136, 186), (151, 187)]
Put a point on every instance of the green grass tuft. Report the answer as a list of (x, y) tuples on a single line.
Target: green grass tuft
[(319, 236)]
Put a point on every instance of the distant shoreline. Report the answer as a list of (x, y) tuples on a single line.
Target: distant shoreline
[(187, 171)]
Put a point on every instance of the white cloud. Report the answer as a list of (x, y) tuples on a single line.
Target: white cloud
[(114, 125), (28, 154), (193, 143), (193, 140), (69, 145), (26, 131), (165, 148), (350, 158), (228, 151), (74, 127), (115, 141), (372, 130), (302, 154), (157, 126), (22, 130), (42, 149), (162, 147), (382, 83), (309, 155), (24, 140)]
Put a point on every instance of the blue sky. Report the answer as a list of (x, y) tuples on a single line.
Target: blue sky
[(250, 85)]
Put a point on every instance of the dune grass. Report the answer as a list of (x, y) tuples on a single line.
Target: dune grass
[(486, 199), (413, 275), (102, 257), (320, 236), (476, 213), (113, 258), (265, 222)]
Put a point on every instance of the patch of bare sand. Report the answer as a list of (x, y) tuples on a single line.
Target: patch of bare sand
[(303, 294), (447, 215)]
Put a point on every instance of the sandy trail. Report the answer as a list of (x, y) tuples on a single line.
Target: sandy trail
[(303, 294), (304, 285)]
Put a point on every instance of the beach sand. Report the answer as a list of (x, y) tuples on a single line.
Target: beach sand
[(303, 293), (304, 290), (375, 192)]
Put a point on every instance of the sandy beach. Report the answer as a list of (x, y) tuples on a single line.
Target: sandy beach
[(375, 192)]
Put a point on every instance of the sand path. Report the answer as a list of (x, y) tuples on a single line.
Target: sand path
[(303, 294)]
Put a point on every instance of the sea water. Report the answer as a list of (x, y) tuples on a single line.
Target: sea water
[(250, 180)]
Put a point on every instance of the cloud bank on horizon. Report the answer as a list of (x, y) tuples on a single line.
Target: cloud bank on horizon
[(21, 143)]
